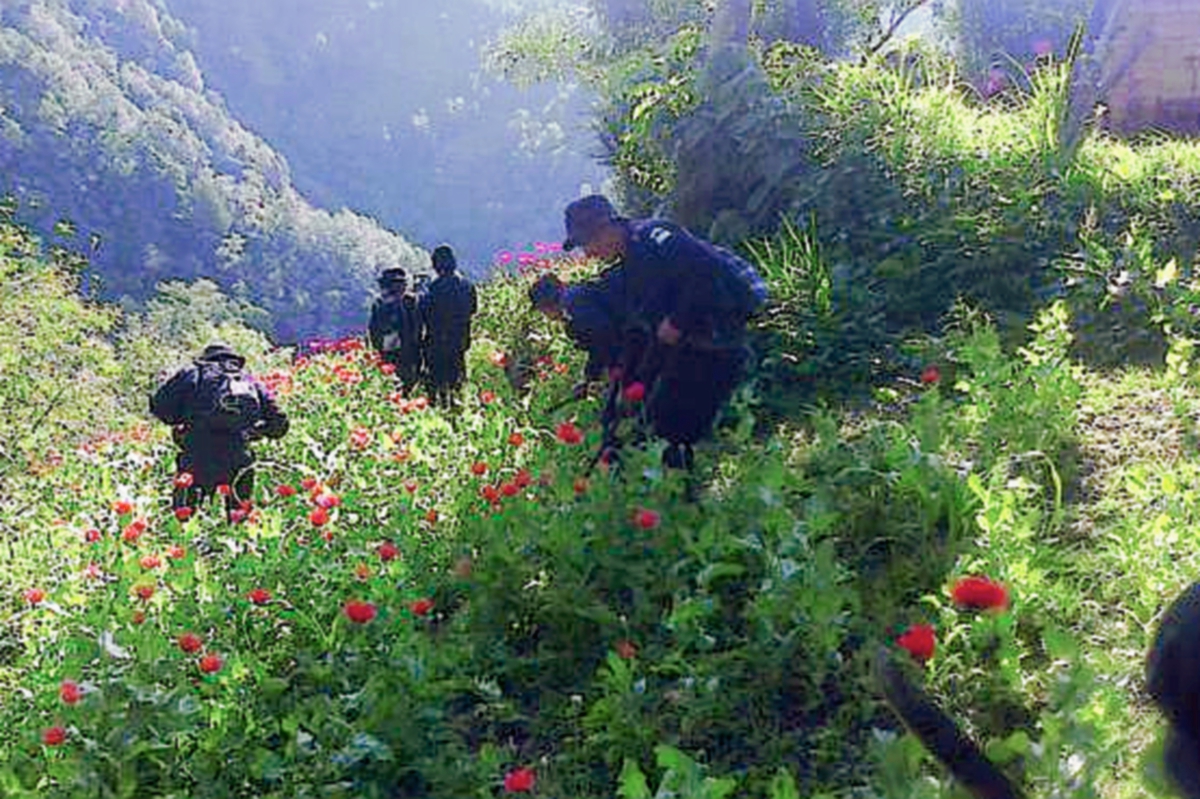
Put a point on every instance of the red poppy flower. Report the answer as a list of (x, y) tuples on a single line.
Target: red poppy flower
[(919, 640), (176, 552), (318, 517), (516, 439), (647, 519), (634, 392), (123, 507), (930, 375), (410, 486), (510, 489), (184, 480), (568, 433), (388, 551), (224, 490), (285, 490), (145, 592), (138, 617), (490, 493), (581, 485), (359, 612), (150, 561), (327, 536), (54, 736), (34, 596), (523, 479), (190, 643), (92, 535), (487, 397), (626, 649), (431, 516), (327, 500), (388, 368), (360, 437), (308, 483), (498, 359), (131, 534), (259, 596), (421, 607), (520, 780), (237, 515), (70, 692), (92, 571), (420, 403), (183, 513), (979, 593), (211, 664), (479, 468)]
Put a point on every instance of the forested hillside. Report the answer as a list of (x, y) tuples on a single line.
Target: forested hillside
[(106, 122), (383, 107)]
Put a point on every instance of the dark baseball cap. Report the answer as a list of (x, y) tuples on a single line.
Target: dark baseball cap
[(393, 275), (585, 217)]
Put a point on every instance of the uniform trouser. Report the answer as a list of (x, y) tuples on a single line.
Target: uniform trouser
[(407, 363), (207, 474), (690, 388), (447, 371)]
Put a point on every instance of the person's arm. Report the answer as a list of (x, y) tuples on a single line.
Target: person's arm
[(375, 327), (938, 732), (169, 403), (273, 423)]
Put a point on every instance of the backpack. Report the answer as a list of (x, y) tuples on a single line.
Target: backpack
[(741, 290), (226, 400), (737, 290), (399, 323)]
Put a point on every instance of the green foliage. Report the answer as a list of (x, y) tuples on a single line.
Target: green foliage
[(58, 374)]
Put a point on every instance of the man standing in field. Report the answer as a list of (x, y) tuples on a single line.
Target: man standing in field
[(215, 409), (684, 304), (446, 308)]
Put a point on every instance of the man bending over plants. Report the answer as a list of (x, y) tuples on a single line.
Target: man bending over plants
[(684, 304)]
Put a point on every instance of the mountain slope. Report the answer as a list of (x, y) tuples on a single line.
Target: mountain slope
[(106, 120)]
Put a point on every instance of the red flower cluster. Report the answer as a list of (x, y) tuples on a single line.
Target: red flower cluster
[(190, 643), (979, 593), (520, 780), (919, 640), (568, 433), (388, 551), (259, 596), (359, 612), (184, 480)]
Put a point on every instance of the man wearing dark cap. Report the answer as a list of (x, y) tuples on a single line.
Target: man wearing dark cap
[(446, 308), (394, 329), (215, 409), (686, 304)]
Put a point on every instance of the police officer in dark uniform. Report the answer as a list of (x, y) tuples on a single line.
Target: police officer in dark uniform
[(591, 311), (216, 409), (685, 304), (446, 308), (394, 328)]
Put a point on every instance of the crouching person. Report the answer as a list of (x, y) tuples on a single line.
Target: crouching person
[(215, 409)]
